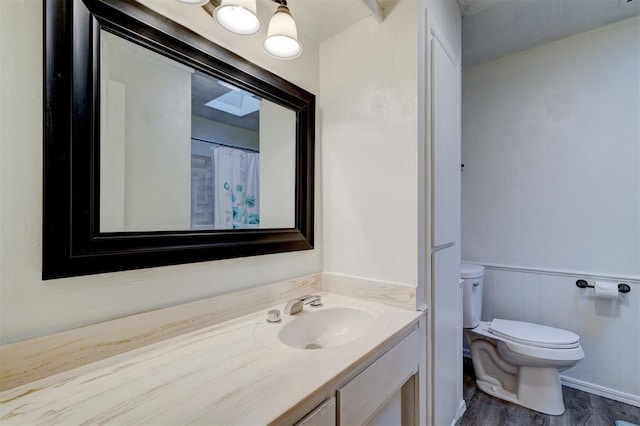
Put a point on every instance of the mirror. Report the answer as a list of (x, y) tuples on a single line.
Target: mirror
[(163, 148), (182, 150)]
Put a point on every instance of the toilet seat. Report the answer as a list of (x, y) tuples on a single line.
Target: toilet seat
[(535, 335), (561, 355)]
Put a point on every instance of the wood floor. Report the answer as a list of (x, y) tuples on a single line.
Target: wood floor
[(582, 408)]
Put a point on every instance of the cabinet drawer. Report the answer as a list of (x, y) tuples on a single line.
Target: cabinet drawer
[(362, 396), (324, 415)]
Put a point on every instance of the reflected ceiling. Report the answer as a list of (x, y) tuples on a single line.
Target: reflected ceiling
[(205, 89)]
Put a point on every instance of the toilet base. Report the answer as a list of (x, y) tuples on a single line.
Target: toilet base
[(538, 389), (514, 378)]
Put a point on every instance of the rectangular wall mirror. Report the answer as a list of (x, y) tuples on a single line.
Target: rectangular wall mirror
[(163, 148), (183, 150)]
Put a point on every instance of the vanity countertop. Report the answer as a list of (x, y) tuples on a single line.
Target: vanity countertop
[(235, 372)]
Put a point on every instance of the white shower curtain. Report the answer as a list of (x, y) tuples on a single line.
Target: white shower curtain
[(236, 188)]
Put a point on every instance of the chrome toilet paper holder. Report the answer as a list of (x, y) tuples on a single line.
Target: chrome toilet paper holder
[(622, 288)]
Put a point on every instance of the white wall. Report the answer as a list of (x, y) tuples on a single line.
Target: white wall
[(32, 307), (551, 184), (368, 81), (551, 147)]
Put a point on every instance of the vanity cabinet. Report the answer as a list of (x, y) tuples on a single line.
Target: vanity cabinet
[(384, 393), (237, 372)]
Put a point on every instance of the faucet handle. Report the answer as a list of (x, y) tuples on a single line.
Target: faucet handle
[(314, 301), (273, 316), (294, 306)]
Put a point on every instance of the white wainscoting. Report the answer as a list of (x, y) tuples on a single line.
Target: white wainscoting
[(609, 330)]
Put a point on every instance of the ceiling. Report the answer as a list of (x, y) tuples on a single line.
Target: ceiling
[(492, 29)]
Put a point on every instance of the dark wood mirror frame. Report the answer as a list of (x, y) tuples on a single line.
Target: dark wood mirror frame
[(72, 241)]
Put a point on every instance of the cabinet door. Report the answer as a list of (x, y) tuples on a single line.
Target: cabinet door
[(445, 145), (447, 353), (390, 413), (324, 415), (371, 391)]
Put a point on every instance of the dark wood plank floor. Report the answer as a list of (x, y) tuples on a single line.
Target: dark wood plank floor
[(582, 409)]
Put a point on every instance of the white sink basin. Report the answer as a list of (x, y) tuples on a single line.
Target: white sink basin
[(326, 328)]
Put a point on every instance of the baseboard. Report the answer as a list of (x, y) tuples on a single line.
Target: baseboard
[(462, 407), (601, 391)]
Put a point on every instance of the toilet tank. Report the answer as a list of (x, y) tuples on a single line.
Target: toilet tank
[(473, 276)]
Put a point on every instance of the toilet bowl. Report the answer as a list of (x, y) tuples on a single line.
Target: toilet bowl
[(516, 361)]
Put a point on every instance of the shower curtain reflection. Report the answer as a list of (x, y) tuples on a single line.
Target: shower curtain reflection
[(225, 190), (236, 188)]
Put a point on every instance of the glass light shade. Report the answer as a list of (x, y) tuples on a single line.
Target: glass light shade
[(239, 17), (193, 2), (282, 36)]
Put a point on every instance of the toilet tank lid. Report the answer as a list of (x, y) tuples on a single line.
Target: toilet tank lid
[(534, 334), (471, 270)]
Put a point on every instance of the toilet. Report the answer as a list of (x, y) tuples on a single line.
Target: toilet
[(516, 361)]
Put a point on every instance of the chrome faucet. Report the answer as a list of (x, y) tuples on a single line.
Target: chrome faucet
[(294, 306)]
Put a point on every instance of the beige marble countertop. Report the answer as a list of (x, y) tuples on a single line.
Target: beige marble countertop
[(235, 372)]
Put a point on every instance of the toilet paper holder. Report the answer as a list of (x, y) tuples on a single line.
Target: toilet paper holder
[(622, 288)]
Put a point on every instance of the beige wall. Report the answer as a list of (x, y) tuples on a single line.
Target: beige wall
[(152, 130), (368, 81), (32, 307), (277, 166)]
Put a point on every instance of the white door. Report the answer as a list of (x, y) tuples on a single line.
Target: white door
[(446, 300), (447, 342), (445, 146)]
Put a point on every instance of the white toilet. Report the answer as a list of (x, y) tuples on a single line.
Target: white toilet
[(516, 361)]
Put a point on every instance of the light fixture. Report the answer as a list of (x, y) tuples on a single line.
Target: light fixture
[(239, 17), (282, 35)]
